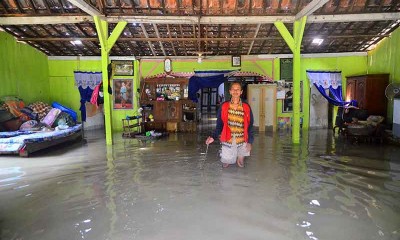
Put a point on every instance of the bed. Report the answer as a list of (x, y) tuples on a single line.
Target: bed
[(26, 142)]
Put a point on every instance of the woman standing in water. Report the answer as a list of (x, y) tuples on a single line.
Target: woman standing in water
[(234, 128)]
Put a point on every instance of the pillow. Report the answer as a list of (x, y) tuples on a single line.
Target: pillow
[(51, 117), (64, 119), (41, 108), (29, 125)]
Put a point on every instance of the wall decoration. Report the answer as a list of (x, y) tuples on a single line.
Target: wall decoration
[(167, 65), (123, 93), (236, 61), (286, 68), (287, 103), (280, 89), (123, 68), (284, 122)]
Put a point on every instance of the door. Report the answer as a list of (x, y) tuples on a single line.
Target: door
[(262, 100), (318, 109), (253, 96), (269, 106), (350, 90), (360, 93)]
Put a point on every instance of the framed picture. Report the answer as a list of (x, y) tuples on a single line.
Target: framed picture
[(123, 68), (287, 102), (123, 93), (236, 61), (286, 72)]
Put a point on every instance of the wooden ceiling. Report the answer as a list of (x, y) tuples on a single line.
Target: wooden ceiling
[(187, 27)]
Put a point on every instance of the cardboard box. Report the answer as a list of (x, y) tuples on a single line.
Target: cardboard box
[(172, 126)]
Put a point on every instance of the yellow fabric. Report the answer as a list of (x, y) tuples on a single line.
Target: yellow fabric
[(236, 123)]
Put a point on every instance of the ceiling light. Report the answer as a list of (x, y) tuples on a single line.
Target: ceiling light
[(77, 42), (317, 41)]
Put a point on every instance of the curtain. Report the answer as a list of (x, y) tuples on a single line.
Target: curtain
[(86, 82), (323, 80), (206, 79)]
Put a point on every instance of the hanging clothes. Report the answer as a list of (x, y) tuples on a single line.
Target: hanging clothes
[(86, 83)]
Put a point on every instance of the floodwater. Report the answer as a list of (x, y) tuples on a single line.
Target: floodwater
[(324, 188)]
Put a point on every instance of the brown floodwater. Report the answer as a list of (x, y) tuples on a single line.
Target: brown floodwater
[(325, 188)]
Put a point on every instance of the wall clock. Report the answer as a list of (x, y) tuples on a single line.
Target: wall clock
[(167, 65)]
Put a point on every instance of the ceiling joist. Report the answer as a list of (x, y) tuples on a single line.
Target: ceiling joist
[(170, 39), (310, 8), (202, 20), (87, 8)]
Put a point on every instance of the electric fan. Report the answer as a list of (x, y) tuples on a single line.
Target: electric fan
[(392, 91)]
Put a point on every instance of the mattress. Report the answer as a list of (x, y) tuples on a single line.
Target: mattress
[(12, 142)]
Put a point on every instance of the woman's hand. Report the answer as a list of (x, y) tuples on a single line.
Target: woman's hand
[(209, 140), (248, 147)]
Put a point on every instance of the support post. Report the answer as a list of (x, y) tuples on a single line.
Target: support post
[(106, 44), (294, 43)]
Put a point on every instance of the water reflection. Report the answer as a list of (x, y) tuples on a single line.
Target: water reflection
[(322, 188)]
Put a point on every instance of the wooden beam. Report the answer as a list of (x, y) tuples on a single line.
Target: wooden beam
[(310, 8), (176, 39), (364, 17), (158, 36), (147, 37), (172, 44), (81, 4), (18, 20), (255, 36), (44, 20)]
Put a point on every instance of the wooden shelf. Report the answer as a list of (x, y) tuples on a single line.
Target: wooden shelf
[(129, 126), (169, 113)]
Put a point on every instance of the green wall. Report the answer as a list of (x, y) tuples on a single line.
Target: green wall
[(63, 89), (23, 71), (348, 65), (352, 65), (385, 58)]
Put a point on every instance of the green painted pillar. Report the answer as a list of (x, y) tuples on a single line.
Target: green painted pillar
[(106, 44), (294, 43)]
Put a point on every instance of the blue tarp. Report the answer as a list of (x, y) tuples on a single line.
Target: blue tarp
[(205, 79)]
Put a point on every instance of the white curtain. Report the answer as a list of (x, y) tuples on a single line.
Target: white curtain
[(87, 79), (325, 79)]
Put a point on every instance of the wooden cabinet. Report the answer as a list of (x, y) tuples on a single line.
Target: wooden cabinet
[(369, 92), (165, 99), (262, 99)]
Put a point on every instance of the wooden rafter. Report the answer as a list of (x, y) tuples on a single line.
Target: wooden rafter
[(158, 36), (310, 8), (255, 37), (172, 43), (84, 6), (180, 28), (147, 37)]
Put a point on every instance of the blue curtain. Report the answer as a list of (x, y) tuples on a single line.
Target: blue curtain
[(330, 80), (205, 79), (337, 99)]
